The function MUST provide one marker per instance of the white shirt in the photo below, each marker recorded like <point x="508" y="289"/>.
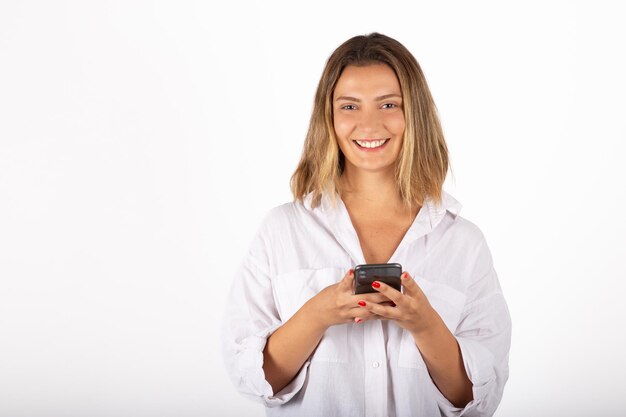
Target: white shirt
<point x="373" y="368"/>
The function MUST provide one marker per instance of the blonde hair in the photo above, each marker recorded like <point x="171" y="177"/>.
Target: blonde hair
<point x="422" y="165"/>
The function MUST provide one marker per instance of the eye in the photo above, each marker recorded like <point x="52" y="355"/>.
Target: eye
<point x="347" y="105"/>
<point x="390" y="104"/>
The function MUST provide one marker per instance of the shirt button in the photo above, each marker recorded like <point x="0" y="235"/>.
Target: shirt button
<point x="375" y="365"/>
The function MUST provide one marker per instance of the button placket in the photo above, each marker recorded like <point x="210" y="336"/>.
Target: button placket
<point x="375" y="369"/>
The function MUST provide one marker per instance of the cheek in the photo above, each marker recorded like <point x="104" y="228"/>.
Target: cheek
<point x="396" y="124"/>
<point x="343" y="127"/>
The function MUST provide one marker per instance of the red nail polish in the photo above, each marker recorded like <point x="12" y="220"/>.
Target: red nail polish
<point x="351" y="271"/>
<point x="405" y="275"/>
<point x="376" y="284"/>
<point x="362" y="303"/>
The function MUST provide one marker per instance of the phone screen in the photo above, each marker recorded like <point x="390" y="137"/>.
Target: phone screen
<point x="365" y="274"/>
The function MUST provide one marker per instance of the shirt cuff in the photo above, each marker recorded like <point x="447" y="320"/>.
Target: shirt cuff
<point x="250" y="364"/>
<point x="478" y="362"/>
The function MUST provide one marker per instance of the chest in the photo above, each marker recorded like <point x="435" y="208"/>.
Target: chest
<point x="380" y="237"/>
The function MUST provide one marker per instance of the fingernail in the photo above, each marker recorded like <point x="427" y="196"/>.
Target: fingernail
<point x="351" y="271"/>
<point x="405" y="275"/>
<point x="358" y="320"/>
<point x="376" y="284"/>
<point x="362" y="303"/>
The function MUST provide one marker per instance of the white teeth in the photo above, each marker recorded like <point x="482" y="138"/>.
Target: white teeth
<point x="371" y="144"/>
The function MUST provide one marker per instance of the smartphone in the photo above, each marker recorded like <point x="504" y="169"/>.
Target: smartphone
<point x="365" y="274"/>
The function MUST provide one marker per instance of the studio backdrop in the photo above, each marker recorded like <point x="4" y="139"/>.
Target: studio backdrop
<point x="142" y="143"/>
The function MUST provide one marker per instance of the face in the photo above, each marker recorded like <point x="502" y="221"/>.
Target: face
<point x="368" y="117"/>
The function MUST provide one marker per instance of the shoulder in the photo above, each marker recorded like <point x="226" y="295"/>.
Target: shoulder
<point x="296" y="211"/>
<point x="468" y="231"/>
<point x="463" y="240"/>
<point x="462" y="229"/>
<point x="284" y="220"/>
<point x="283" y="215"/>
<point x="274" y="224"/>
<point x="473" y="249"/>
<point x="281" y="228"/>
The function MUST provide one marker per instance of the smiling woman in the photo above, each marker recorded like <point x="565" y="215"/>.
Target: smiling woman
<point x="369" y="126"/>
<point x="363" y="74"/>
<point x="369" y="190"/>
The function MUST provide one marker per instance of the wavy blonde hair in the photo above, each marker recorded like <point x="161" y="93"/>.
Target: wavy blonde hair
<point x="422" y="165"/>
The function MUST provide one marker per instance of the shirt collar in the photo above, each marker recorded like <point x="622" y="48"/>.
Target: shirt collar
<point x="429" y="216"/>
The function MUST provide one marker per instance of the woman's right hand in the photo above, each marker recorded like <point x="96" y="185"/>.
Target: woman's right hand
<point x="292" y="343"/>
<point x="337" y="303"/>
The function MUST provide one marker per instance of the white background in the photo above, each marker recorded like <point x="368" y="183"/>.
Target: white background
<point x="141" y="143"/>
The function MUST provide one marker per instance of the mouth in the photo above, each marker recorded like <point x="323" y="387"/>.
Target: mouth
<point x="371" y="144"/>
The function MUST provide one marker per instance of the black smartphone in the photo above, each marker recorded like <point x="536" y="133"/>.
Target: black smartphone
<point x="365" y="274"/>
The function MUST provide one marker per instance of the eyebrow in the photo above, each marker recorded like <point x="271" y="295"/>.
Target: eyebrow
<point x="383" y="97"/>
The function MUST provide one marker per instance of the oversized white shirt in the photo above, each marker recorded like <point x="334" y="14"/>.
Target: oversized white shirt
<point x="373" y="368"/>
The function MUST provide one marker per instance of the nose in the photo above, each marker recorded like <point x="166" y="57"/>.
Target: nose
<point x="369" y="120"/>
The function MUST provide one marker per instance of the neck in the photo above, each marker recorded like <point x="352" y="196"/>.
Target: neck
<point x="375" y="188"/>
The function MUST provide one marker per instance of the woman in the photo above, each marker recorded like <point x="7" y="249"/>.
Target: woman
<point x="368" y="189"/>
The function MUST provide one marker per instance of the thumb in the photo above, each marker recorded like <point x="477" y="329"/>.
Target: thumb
<point x="410" y="286"/>
<point x="347" y="282"/>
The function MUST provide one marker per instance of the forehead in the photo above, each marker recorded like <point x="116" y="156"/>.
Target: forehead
<point x="374" y="79"/>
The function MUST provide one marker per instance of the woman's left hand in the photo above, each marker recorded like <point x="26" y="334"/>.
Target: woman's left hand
<point x="412" y="311"/>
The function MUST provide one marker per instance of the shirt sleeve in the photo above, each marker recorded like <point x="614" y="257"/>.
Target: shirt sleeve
<point x="484" y="337"/>
<point x="249" y="320"/>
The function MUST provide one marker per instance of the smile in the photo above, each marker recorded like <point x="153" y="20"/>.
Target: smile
<point x="371" y="143"/>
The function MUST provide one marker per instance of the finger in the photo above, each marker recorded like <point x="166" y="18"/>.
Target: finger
<point x="386" y="312"/>
<point x="388" y="303"/>
<point x="390" y="292"/>
<point x="410" y="286"/>
<point x="347" y="282"/>
<point x="374" y="297"/>
<point x="362" y="314"/>
<point x="358" y="320"/>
